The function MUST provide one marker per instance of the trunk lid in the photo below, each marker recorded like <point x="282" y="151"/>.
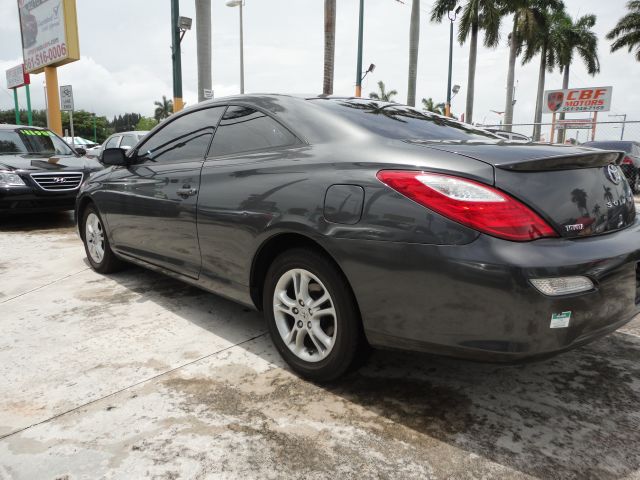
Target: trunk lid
<point x="579" y="191"/>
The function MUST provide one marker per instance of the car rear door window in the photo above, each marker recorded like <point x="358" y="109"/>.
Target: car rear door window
<point x="128" y="141"/>
<point x="244" y="129"/>
<point x="183" y="139"/>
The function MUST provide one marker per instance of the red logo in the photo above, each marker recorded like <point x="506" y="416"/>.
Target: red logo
<point x="555" y="100"/>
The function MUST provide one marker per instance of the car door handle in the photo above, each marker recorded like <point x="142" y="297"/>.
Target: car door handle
<point x="187" y="192"/>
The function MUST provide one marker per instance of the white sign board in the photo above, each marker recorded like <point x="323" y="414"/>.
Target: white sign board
<point x="66" y="98"/>
<point x="593" y="99"/>
<point x="207" y="93"/>
<point x="48" y="37"/>
<point x="16" y="77"/>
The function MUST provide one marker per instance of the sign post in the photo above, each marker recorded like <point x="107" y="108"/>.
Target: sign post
<point x="66" y="105"/>
<point x="573" y="100"/>
<point x="49" y="40"/>
<point x="16" y="78"/>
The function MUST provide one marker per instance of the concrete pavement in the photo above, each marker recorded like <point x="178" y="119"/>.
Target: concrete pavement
<point x="136" y="375"/>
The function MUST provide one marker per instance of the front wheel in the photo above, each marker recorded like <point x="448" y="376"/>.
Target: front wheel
<point x="312" y="315"/>
<point x="96" y="243"/>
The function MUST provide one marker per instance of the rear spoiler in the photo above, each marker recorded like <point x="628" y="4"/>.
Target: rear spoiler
<point x="565" y="162"/>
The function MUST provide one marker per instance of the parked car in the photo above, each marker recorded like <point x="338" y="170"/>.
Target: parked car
<point x="631" y="161"/>
<point x="39" y="171"/>
<point x="351" y="222"/>
<point x="511" y="136"/>
<point x="123" y="140"/>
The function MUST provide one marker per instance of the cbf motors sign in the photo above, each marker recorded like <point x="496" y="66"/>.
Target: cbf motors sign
<point x="49" y="33"/>
<point x="595" y="99"/>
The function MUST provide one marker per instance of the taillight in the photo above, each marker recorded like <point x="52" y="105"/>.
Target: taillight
<point x="627" y="160"/>
<point x="470" y="203"/>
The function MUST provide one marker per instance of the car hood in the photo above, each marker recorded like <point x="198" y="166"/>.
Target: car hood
<point x="34" y="163"/>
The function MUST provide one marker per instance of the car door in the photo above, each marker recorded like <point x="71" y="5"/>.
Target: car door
<point x="238" y="192"/>
<point x="152" y="202"/>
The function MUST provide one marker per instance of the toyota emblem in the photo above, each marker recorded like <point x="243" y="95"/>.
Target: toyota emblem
<point x="613" y="173"/>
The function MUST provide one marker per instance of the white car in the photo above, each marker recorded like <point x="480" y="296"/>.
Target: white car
<point x="124" y="140"/>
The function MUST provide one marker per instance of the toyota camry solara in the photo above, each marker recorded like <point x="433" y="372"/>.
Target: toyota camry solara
<point x="353" y="223"/>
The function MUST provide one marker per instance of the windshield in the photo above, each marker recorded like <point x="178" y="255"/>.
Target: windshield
<point x="404" y="123"/>
<point x="26" y="141"/>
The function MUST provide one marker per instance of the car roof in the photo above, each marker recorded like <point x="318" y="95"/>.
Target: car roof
<point x="9" y="126"/>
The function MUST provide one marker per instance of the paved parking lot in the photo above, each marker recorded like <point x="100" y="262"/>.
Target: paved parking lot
<point x="136" y="375"/>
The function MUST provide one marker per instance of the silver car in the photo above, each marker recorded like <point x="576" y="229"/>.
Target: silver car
<point x="125" y="140"/>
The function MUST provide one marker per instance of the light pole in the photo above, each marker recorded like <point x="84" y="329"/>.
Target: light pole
<point x="452" y="17"/>
<point x="624" y="121"/>
<point x="179" y="25"/>
<point x="239" y="3"/>
<point x="359" y="65"/>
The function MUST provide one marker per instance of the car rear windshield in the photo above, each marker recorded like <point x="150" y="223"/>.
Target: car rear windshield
<point x="402" y="122"/>
<point x="624" y="146"/>
<point x="24" y="140"/>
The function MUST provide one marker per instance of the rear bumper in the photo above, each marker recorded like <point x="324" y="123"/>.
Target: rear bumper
<point x="475" y="301"/>
<point x="27" y="200"/>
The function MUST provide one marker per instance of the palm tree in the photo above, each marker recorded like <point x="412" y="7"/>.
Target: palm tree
<point x="429" y="105"/>
<point x="549" y="42"/>
<point x="382" y="94"/>
<point x="580" y="38"/>
<point x="329" y="45"/>
<point x="528" y="16"/>
<point x="414" y="40"/>
<point x="164" y="108"/>
<point x="203" y="46"/>
<point x="626" y="33"/>
<point x="476" y="15"/>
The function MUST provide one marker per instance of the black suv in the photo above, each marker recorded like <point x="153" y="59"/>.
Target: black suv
<point x="631" y="162"/>
<point x="39" y="171"/>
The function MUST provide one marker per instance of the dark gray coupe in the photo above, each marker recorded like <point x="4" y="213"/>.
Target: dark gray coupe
<point x="351" y="223"/>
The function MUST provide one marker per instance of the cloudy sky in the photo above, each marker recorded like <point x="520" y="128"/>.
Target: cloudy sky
<point x="126" y="63"/>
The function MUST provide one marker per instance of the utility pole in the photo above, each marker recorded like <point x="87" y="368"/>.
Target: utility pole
<point x="203" y="46"/>
<point x="176" y="57"/>
<point x="359" y="65"/>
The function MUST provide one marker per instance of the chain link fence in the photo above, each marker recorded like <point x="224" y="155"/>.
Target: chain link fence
<point x="580" y="131"/>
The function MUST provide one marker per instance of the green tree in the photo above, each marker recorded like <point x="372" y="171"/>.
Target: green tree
<point x="626" y="33"/>
<point x="146" y="123"/>
<point x="578" y="38"/>
<point x="382" y="93"/>
<point x="329" y="45"/>
<point x="164" y="108"/>
<point x="414" y="41"/>
<point x="528" y="18"/>
<point x="429" y="105"/>
<point x="83" y="125"/>
<point x="548" y="42"/>
<point x="477" y="15"/>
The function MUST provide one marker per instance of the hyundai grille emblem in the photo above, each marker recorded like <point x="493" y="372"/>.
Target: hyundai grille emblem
<point x="59" y="179"/>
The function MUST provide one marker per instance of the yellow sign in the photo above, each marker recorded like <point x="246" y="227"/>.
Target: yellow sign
<point x="49" y="33"/>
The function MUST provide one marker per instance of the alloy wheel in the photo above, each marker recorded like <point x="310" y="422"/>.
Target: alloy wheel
<point x="305" y="315"/>
<point x="94" y="236"/>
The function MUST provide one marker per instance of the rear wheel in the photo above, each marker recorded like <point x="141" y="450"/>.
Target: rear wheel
<point x="312" y="315"/>
<point x="96" y="243"/>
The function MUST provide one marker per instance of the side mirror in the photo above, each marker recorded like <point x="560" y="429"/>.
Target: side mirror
<point x="113" y="156"/>
<point x="81" y="151"/>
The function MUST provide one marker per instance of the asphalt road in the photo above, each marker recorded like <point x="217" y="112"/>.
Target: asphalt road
<point x="135" y="375"/>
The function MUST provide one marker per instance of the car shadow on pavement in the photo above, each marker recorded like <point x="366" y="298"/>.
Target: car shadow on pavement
<point x="573" y="416"/>
<point x="576" y="415"/>
<point x="29" y="222"/>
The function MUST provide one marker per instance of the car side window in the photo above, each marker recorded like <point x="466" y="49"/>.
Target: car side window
<point x="128" y="141"/>
<point x="112" y="142"/>
<point x="185" y="138"/>
<point x="244" y="129"/>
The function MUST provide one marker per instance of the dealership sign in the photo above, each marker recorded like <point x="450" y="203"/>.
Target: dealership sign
<point x="17" y="77"/>
<point x="49" y="33"/>
<point x="595" y="99"/>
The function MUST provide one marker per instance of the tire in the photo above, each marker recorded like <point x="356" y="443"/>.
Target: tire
<point x="96" y="243"/>
<point x="635" y="187"/>
<point x="308" y="352"/>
